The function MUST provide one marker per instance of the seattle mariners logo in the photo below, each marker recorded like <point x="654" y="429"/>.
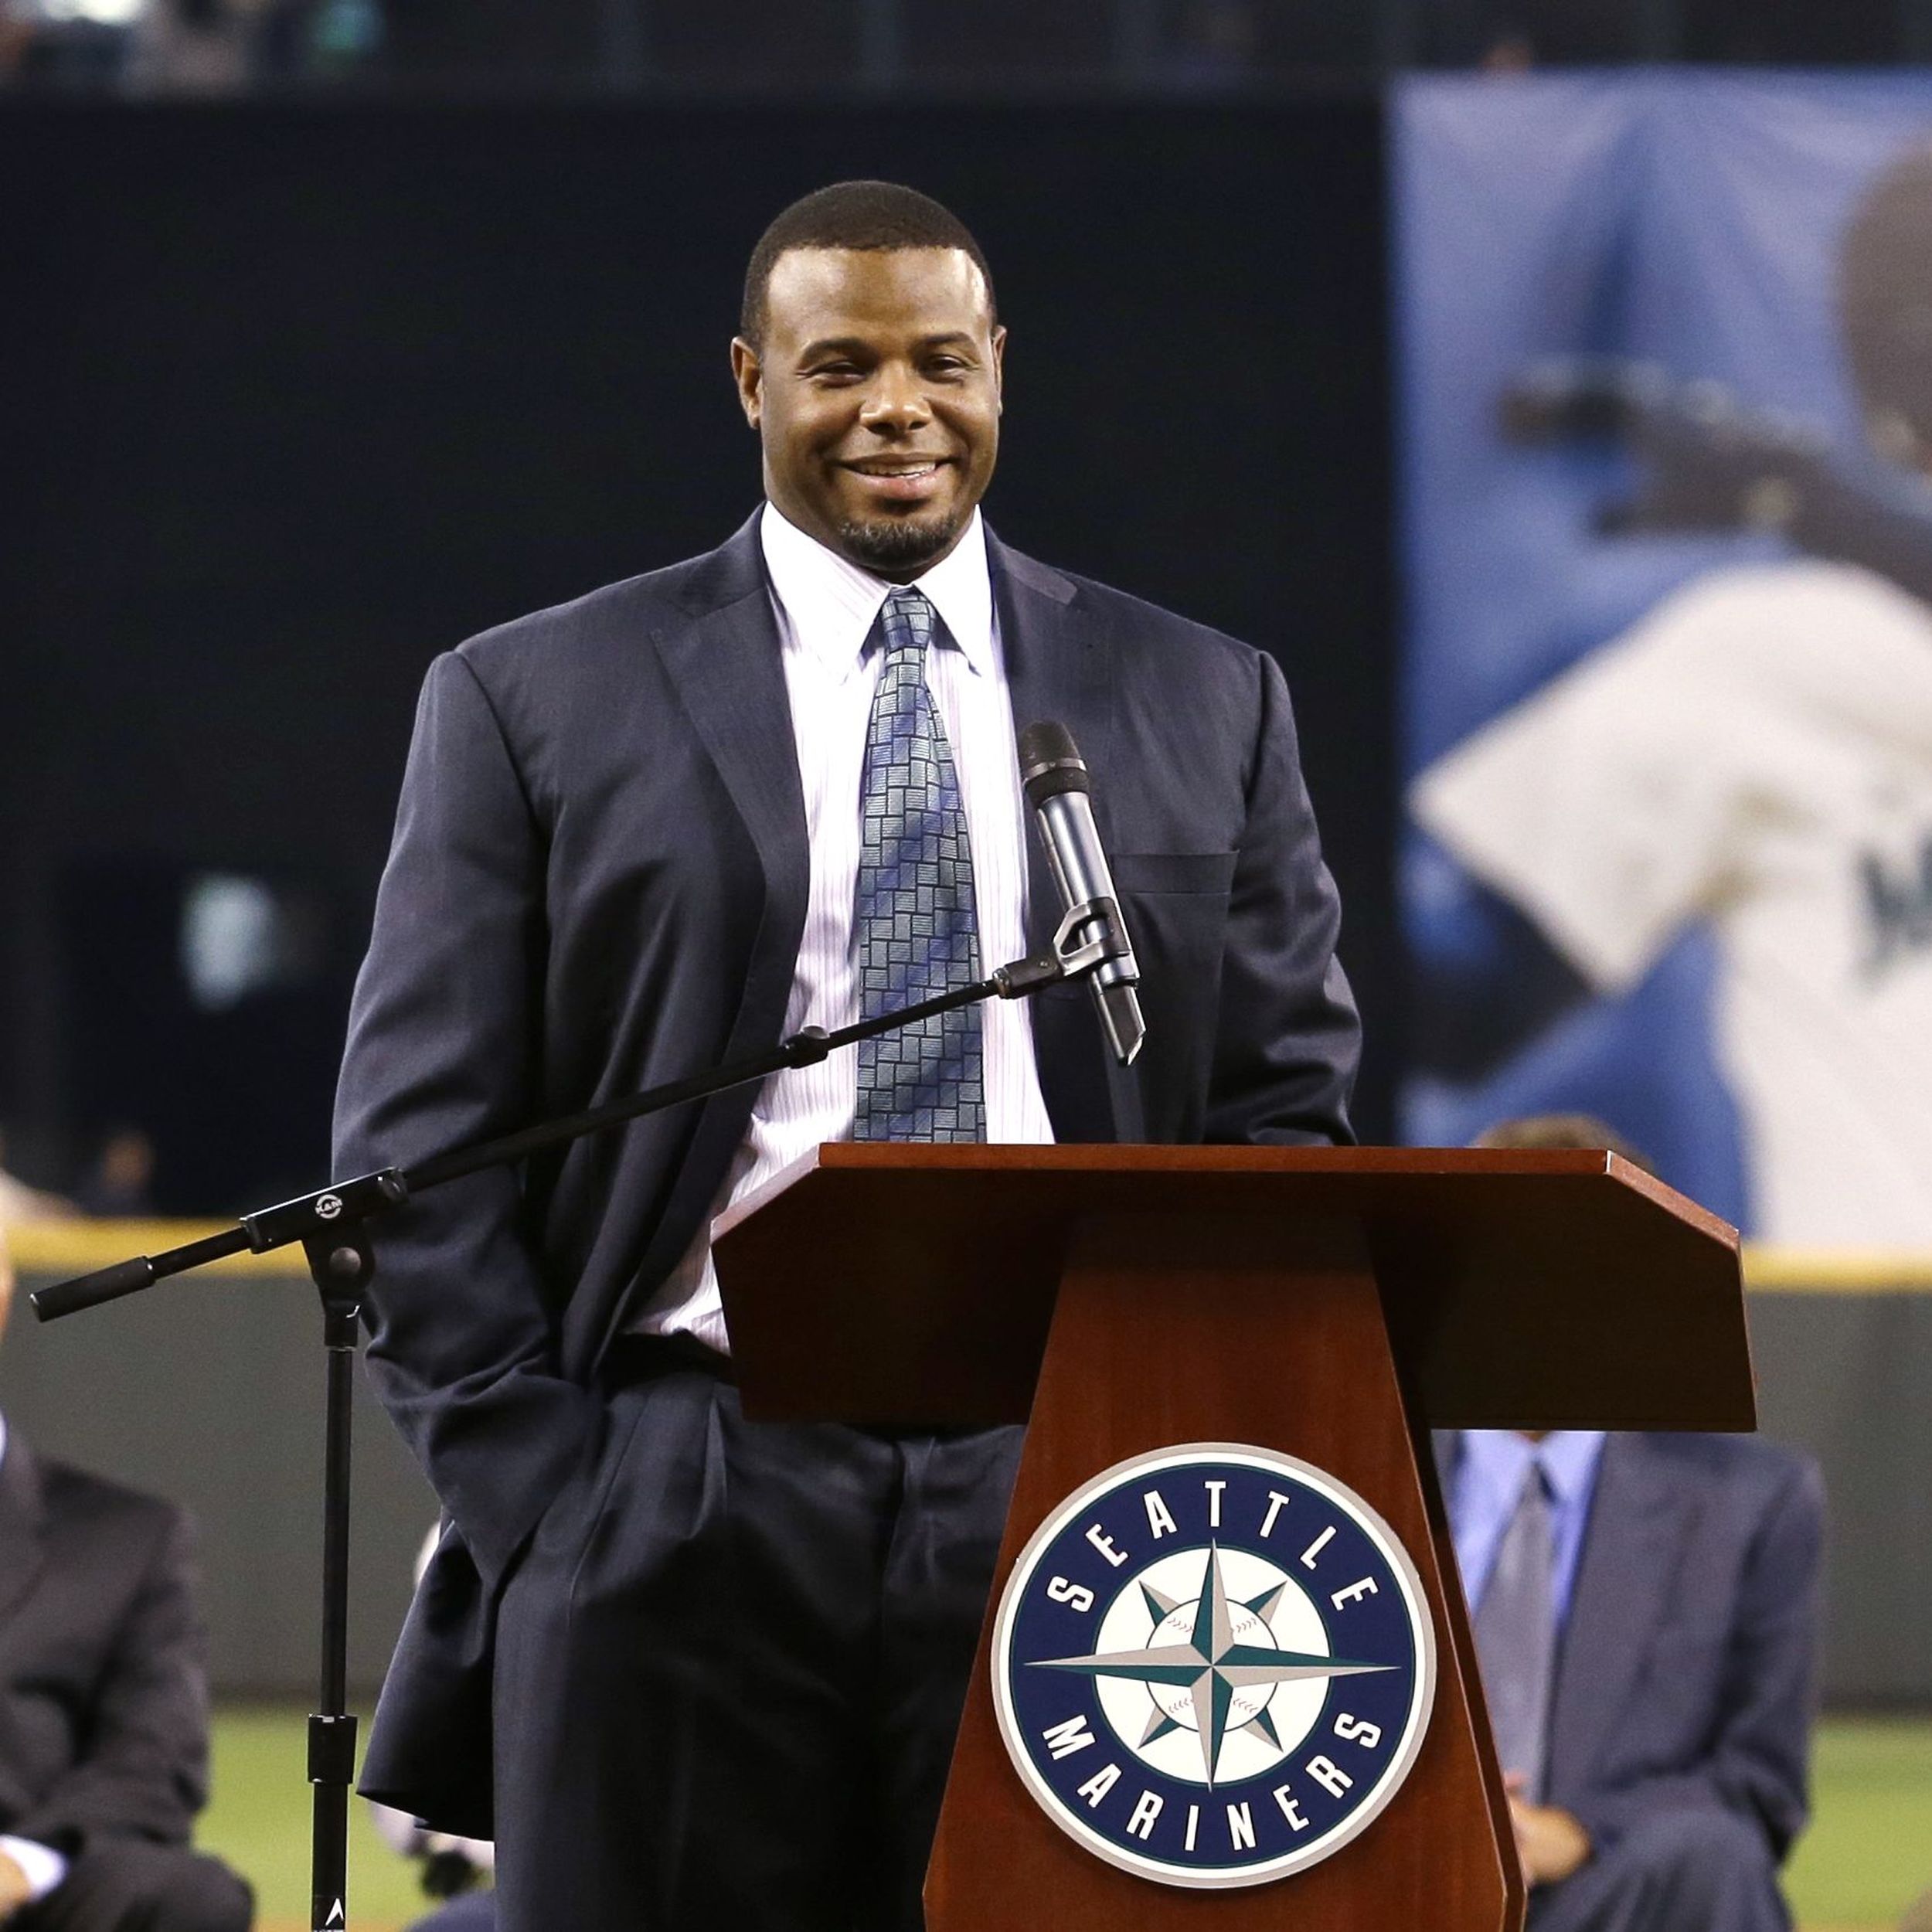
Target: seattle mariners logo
<point x="1214" y="1665"/>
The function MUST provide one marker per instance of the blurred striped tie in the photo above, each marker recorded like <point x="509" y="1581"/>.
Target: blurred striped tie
<point x="1515" y="1630"/>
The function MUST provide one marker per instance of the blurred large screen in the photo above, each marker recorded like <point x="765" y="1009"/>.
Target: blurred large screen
<point x="1667" y="367"/>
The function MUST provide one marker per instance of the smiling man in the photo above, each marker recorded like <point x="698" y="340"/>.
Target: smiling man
<point x="772" y="787"/>
<point x="872" y="376"/>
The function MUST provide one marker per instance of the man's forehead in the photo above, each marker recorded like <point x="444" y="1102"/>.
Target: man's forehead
<point x="927" y="290"/>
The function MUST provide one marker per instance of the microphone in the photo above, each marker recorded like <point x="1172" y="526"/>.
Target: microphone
<point x="1057" y="787"/>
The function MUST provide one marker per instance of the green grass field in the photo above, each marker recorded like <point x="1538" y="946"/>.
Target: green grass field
<point x="1868" y="1854"/>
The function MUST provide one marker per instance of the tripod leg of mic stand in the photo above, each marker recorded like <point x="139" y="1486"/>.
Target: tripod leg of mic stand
<point x="342" y="1263"/>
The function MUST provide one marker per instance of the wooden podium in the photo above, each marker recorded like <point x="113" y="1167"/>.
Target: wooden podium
<point x="1331" y="1305"/>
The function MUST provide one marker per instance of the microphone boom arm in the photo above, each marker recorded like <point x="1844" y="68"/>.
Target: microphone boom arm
<point x="329" y="1215"/>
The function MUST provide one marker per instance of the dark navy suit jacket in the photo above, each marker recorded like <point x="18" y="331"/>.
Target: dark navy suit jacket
<point x="1685" y="1679"/>
<point x="598" y="882"/>
<point x="103" y="1693"/>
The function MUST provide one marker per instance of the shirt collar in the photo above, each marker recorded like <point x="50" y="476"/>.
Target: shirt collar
<point x="1569" y="1458"/>
<point x="1499" y="1459"/>
<point x="832" y="604"/>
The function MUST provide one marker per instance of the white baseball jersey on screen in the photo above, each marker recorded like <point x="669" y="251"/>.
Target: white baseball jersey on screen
<point x="1757" y="753"/>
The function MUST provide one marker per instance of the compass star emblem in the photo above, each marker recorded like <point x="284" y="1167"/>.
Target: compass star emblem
<point x="1212" y="1666"/>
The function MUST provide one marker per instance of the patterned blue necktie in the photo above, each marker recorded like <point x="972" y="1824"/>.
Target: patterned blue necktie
<point x="913" y="922"/>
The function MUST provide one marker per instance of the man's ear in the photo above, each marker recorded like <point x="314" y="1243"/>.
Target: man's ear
<point x="749" y="376"/>
<point x="999" y="364"/>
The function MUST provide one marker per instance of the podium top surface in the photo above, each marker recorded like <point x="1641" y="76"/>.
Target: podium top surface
<point x="901" y="1282"/>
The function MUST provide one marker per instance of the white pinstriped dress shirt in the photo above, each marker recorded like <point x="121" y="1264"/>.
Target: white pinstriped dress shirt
<point x="825" y="609"/>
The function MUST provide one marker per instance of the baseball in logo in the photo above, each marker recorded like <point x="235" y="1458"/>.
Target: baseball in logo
<point x="1214" y="1665"/>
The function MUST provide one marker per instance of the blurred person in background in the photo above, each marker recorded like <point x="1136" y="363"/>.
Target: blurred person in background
<point x="194" y="46"/>
<point x="20" y="1203"/>
<point x="187" y="47"/>
<point x="80" y="45"/>
<point x="1645" y="1609"/>
<point x="1214" y="46"/>
<point x="1508" y="36"/>
<point x="103" y="1707"/>
<point x="119" y="1184"/>
<point x="449" y="1873"/>
<point x="453" y="1868"/>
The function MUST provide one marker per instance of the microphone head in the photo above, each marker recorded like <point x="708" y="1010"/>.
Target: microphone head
<point x="1050" y="763"/>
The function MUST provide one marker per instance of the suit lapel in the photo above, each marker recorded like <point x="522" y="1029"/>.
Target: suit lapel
<point x="21" y="1550"/>
<point x="1055" y="674"/>
<point x="1638" y="1522"/>
<point x="1058" y="670"/>
<point x="726" y="666"/>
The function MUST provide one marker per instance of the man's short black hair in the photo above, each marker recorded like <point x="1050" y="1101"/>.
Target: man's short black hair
<point x="853" y="214"/>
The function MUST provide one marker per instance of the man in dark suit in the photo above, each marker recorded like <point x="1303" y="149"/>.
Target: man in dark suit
<point x="104" y="1708"/>
<point x="661" y="827"/>
<point x="1644" y="1609"/>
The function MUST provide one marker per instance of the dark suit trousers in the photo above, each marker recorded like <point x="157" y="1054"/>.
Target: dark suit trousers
<point x="133" y="1886"/>
<point x="1677" y="1871"/>
<point x="730" y="1667"/>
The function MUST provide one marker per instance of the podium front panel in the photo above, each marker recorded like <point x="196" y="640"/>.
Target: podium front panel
<point x="897" y="1285"/>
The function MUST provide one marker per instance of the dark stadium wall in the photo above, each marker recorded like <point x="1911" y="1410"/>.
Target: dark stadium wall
<point x="298" y="397"/>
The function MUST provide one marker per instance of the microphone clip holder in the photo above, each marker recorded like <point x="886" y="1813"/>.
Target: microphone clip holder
<point x="1071" y="957"/>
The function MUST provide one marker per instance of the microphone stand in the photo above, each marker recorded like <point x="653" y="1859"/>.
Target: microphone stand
<point x="332" y="1226"/>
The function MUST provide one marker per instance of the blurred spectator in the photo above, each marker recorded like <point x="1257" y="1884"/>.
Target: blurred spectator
<point x="1510" y="53"/>
<point x="104" y="1708"/>
<point x="1215" y="45"/>
<point x="1508" y="35"/>
<point x="120" y="1183"/>
<point x="19" y="1202"/>
<point x="474" y="1912"/>
<point x="452" y="1868"/>
<point x="198" y="47"/>
<point x="66" y="44"/>
<point x="1643" y="1608"/>
<point x="193" y="46"/>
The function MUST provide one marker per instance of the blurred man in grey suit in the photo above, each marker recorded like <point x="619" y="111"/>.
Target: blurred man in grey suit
<point x="1645" y="1607"/>
<point x="104" y="1708"/>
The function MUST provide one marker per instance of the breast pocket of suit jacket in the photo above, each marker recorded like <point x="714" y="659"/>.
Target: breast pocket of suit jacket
<point x="1176" y="905"/>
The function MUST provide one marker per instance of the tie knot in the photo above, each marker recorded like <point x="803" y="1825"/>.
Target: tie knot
<point x="907" y="619"/>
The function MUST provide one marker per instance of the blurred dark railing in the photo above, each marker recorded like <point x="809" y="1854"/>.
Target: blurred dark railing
<point x="792" y="47"/>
